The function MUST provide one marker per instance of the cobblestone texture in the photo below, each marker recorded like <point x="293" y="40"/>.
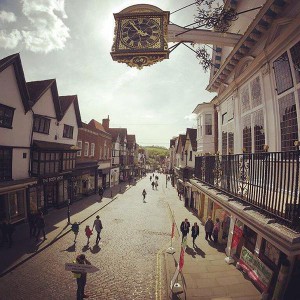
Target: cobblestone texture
<point x="128" y="256"/>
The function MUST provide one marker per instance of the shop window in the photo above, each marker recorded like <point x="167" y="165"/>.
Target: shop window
<point x="5" y="163"/>
<point x="269" y="253"/>
<point x="288" y="122"/>
<point x="16" y="206"/>
<point x="250" y="238"/>
<point x="68" y="131"/>
<point x="41" y="124"/>
<point x="6" y="116"/>
<point x="283" y="75"/>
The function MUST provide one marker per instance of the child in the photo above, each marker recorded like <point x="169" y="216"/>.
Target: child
<point x="88" y="233"/>
<point x="75" y="229"/>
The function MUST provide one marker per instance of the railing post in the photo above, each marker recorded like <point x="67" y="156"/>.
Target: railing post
<point x="296" y="204"/>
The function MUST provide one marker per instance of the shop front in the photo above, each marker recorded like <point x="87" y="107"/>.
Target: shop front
<point x="104" y="178"/>
<point x="13" y="195"/>
<point x="114" y="177"/>
<point x="85" y="182"/>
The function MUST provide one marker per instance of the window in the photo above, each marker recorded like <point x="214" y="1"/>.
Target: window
<point x="5" y="164"/>
<point x="288" y="122"/>
<point x="250" y="238"/>
<point x="48" y="163"/>
<point x="208" y="124"/>
<point x="68" y="161"/>
<point x="191" y="155"/>
<point x="92" y="149"/>
<point x="6" y="116"/>
<point x="86" y="149"/>
<point x="224" y="142"/>
<point x="295" y="54"/>
<point x="79" y="145"/>
<point x="283" y="75"/>
<point x="259" y="134"/>
<point x="68" y="131"/>
<point x="247" y="138"/>
<point x="41" y="124"/>
<point x="108" y="153"/>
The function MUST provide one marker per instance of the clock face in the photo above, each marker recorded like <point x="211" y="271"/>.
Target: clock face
<point x="140" y="33"/>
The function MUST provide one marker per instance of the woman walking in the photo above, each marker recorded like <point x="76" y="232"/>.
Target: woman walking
<point x="144" y="193"/>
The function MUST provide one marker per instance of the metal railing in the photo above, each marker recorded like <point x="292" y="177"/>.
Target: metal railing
<point x="268" y="181"/>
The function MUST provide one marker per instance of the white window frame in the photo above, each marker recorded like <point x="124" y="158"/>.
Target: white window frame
<point x="92" y="149"/>
<point x="86" y="149"/>
<point x="79" y="145"/>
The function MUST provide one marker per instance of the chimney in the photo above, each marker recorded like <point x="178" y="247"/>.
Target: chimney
<point x="105" y="123"/>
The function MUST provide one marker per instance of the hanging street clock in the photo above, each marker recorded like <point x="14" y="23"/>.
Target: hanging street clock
<point x="140" y="36"/>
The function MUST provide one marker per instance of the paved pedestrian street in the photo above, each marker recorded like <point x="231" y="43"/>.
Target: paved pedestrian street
<point x="133" y="233"/>
<point x="131" y="255"/>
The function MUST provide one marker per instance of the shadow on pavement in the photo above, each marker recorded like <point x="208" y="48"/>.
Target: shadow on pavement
<point x="95" y="249"/>
<point x="72" y="248"/>
<point x="219" y="247"/>
<point x="194" y="252"/>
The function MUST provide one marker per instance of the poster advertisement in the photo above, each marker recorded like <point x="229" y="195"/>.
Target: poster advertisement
<point x="237" y="234"/>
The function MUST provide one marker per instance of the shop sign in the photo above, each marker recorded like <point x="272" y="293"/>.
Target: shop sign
<point x="53" y="179"/>
<point x="256" y="269"/>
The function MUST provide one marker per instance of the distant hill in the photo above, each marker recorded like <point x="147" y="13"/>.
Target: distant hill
<point x="153" y="151"/>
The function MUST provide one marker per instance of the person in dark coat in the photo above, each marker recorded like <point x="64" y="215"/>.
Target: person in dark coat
<point x="10" y="231"/>
<point x="153" y="184"/>
<point x="184" y="228"/>
<point x="40" y="225"/>
<point x="216" y="230"/>
<point x="4" y="232"/>
<point x="195" y="232"/>
<point x="32" y="224"/>
<point x="101" y="192"/>
<point x="81" y="277"/>
<point x="208" y="227"/>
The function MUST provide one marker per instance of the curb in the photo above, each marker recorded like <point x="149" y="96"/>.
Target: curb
<point x="55" y="239"/>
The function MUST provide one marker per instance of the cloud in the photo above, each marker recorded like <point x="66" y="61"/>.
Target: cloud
<point x="191" y="117"/>
<point x="7" y="17"/>
<point x="48" y="31"/>
<point x="10" y="40"/>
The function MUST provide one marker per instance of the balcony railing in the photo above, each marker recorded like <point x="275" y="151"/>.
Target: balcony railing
<point x="267" y="181"/>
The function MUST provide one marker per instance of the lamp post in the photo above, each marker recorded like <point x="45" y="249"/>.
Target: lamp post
<point x="69" y="201"/>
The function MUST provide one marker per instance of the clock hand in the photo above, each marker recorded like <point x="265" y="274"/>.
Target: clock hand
<point x="138" y="30"/>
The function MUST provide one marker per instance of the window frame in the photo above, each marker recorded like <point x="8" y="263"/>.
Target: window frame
<point x="46" y="124"/>
<point x="68" y="131"/>
<point x="5" y="109"/>
<point x="92" y="149"/>
<point x="86" y="149"/>
<point x="79" y="152"/>
<point x="6" y="165"/>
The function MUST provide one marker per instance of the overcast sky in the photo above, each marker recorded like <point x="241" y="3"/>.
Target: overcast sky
<point x="71" y="41"/>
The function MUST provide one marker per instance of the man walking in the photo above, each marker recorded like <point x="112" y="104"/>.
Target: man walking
<point x="81" y="277"/>
<point x="208" y="227"/>
<point x="144" y="193"/>
<point x="40" y="225"/>
<point x="195" y="232"/>
<point x="184" y="228"/>
<point x="101" y="191"/>
<point x="98" y="227"/>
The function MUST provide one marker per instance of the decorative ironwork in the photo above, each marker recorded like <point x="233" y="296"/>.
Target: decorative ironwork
<point x="267" y="181"/>
<point x="217" y="18"/>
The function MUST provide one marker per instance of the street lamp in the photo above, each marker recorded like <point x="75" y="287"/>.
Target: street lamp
<point x="69" y="202"/>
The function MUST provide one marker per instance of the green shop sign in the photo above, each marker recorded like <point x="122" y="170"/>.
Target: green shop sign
<point x="263" y="272"/>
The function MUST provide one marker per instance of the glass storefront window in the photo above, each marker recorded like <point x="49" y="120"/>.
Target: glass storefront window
<point x="16" y="204"/>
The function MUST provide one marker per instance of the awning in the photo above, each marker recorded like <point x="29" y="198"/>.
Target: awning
<point x="13" y="185"/>
<point x="42" y="145"/>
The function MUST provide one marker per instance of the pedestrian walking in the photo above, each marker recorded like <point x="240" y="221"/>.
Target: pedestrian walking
<point x="153" y="184"/>
<point x="184" y="228"/>
<point x="32" y="218"/>
<point x="81" y="277"/>
<point x="216" y="230"/>
<point x="195" y="232"/>
<point x="10" y="231"/>
<point x="40" y="225"/>
<point x="75" y="229"/>
<point x="4" y="238"/>
<point x="101" y="192"/>
<point x="156" y="184"/>
<point x="88" y="233"/>
<point x="150" y="178"/>
<point x="98" y="226"/>
<point x="208" y="227"/>
<point x="144" y="193"/>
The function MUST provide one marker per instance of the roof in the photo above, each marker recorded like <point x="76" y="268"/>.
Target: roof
<point x="192" y="133"/>
<point x="66" y="102"/>
<point x="15" y="60"/>
<point x="53" y="146"/>
<point x="172" y="142"/>
<point x="97" y="125"/>
<point x="181" y="141"/>
<point x="37" y="90"/>
<point x="118" y="132"/>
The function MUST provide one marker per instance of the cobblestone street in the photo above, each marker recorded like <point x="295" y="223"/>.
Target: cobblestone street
<point x="128" y="257"/>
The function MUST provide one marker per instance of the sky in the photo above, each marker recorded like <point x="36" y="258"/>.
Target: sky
<point x="70" y="40"/>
